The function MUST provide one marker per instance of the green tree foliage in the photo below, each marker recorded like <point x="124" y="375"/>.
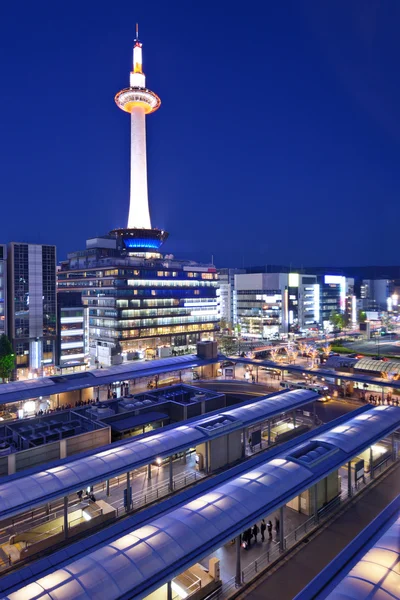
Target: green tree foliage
<point x="362" y="316"/>
<point x="227" y="344"/>
<point x="7" y="358"/>
<point x="339" y="320"/>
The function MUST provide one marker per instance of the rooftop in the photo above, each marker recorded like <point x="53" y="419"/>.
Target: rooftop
<point x="144" y="558"/>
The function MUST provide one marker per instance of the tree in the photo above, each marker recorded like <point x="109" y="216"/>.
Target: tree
<point x="227" y="344"/>
<point x="362" y="316"/>
<point x="326" y="350"/>
<point x="7" y="358"/>
<point x="339" y="320"/>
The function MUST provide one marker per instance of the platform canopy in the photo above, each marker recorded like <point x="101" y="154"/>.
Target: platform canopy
<point x="25" y="491"/>
<point x="143" y="559"/>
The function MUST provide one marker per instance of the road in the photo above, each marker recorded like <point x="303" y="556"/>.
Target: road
<point x="390" y="347"/>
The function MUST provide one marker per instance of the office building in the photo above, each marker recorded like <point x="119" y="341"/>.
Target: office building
<point x="3" y="289"/>
<point x="226" y="292"/>
<point x="138" y="300"/>
<point x="73" y="340"/>
<point x="266" y="304"/>
<point x="332" y="297"/>
<point x="32" y="314"/>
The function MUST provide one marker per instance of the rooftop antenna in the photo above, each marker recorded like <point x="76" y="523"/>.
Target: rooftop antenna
<point x="137" y="32"/>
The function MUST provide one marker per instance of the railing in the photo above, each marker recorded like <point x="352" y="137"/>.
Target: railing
<point x="310" y="525"/>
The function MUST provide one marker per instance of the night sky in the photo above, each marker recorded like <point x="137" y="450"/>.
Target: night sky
<point x="278" y="138"/>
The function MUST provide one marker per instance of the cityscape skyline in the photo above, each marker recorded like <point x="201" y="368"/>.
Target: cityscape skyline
<point x="310" y="146"/>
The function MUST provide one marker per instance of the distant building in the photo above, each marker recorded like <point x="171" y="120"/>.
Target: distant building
<point x="3" y="289"/>
<point x="269" y="303"/>
<point x="73" y="341"/>
<point x="332" y="297"/>
<point x="32" y="313"/>
<point x="226" y="293"/>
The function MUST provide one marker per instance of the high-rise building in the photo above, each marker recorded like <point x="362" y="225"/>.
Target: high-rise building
<point x="137" y="299"/>
<point x="3" y="289"/>
<point x="32" y="314"/>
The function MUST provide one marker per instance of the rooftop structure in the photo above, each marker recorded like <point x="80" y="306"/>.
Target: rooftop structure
<point x="21" y="492"/>
<point x="135" y="560"/>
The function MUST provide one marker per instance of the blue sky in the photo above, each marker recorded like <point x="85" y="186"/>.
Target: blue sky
<point x="278" y="138"/>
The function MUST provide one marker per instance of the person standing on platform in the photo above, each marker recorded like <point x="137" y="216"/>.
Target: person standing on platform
<point x="277" y="526"/>
<point x="255" y="531"/>
<point x="263" y="527"/>
<point x="269" y="527"/>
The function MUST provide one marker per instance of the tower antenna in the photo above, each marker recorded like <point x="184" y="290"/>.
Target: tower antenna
<point x="137" y="31"/>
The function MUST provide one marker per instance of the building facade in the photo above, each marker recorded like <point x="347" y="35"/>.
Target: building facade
<point x="32" y="307"/>
<point x="266" y="304"/>
<point x="226" y="292"/>
<point x="3" y="289"/>
<point x="73" y="338"/>
<point x="137" y="304"/>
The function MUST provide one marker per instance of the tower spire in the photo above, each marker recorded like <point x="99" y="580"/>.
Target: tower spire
<point x="137" y="32"/>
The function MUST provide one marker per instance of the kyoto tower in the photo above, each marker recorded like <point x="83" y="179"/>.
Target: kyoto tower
<point x="139" y="101"/>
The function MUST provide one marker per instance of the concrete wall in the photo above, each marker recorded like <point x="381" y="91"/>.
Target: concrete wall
<point x="225" y="450"/>
<point x="327" y="489"/>
<point x="26" y="459"/>
<point x="88" y="441"/>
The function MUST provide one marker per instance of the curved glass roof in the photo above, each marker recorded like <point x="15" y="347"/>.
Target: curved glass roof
<point x="377" y="575"/>
<point x="17" y="493"/>
<point x="124" y="565"/>
<point x="144" y="558"/>
<point x="351" y="435"/>
<point x="381" y="366"/>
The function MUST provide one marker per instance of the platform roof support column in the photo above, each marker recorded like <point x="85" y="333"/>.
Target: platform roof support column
<point x="207" y="457"/>
<point x="349" y="490"/>
<point x="315" y="502"/>
<point x="281" y="530"/>
<point x="169" y="591"/>
<point x="128" y="492"/>
<point x="294" y="419"/>
<point x="171" y="474"/>
<point x="393" y="448"/>
<point x="244" y="442"/>
<point x="371" y="463"/>
<point x="65" y="517"/>
<point x="149" y="471"/>
<point x="238" y="575"/>
<point x="107" y="487"/>
<point x="315" y="412"/>
<point x="257" y="373"/>
<point x="269" y="431"/>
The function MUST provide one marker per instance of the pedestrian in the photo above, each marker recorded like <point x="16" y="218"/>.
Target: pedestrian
<point x="262" y="529"/>
<point x="249" y="536"/>
<point x="79" y="494"/>
<point x="277" y="526"/>
<point x="9" y="560"/>
<point x="255" y="531"/>
<point x="269" y="527"/>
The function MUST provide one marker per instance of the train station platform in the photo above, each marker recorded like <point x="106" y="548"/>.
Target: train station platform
<point x="304" y="563"/>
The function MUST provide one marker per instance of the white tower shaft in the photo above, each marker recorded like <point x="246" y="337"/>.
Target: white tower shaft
<point x="139" y="214"/>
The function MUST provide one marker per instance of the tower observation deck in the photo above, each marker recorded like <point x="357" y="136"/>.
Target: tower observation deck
<point x="139" y="101"/>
